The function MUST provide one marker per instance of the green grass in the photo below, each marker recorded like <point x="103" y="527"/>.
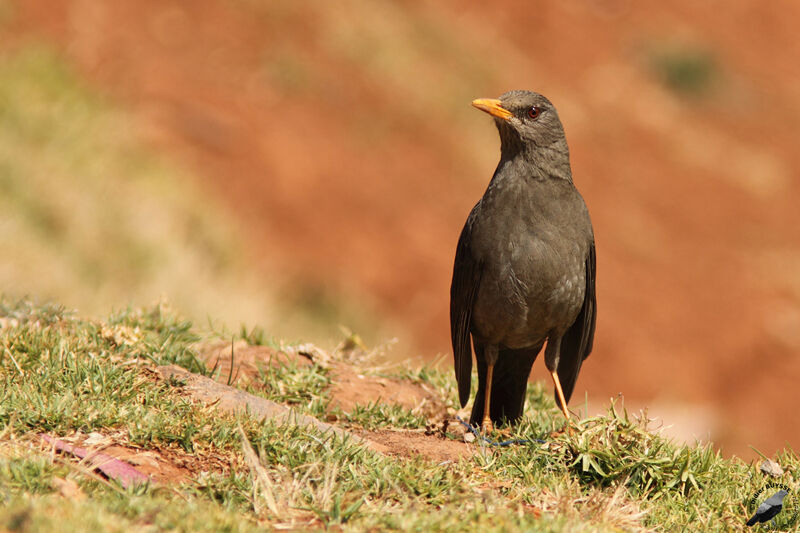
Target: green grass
<point x="302" y="387"/>
<point x="62" y="374"/>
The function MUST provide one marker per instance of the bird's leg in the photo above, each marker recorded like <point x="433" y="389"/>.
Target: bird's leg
<point x="486" y="424"/>
<point x="551" y="357"/>
<point x="490" y="353"/>
<point x="560" y="393"/>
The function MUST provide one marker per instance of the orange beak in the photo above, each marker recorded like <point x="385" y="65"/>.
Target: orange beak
<point x="493" y="107"/>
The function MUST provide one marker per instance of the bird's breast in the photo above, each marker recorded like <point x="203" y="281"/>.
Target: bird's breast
<point x="533" y="275"/>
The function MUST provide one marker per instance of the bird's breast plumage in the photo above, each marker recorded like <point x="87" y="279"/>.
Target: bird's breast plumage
<point x="531" y="242"/>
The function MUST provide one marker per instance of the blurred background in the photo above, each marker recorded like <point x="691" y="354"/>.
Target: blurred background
<point x="300" y="165"/>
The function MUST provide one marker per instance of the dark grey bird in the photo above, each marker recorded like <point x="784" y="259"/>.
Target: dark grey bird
<point x="524" y="269"/>
<point x="769" y="509"/>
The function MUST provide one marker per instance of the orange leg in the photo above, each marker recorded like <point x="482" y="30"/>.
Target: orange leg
<point x="486" y="424"/>
<point x="560" y="394"/>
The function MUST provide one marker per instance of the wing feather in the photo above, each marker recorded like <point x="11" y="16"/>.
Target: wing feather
<point x="464" y="287"/>
<point x="577" y="342"/>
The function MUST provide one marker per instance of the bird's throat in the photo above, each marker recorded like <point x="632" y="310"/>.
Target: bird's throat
<point x="537" y="164"/>
<point x="540" y="162"/>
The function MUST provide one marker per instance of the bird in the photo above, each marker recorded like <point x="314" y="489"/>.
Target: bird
<point x="769" y="509"/>
<point x="524" y="269"/>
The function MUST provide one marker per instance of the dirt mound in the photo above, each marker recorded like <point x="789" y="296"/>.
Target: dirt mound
<point x="351" y="387"/>
<point x="242" y="364"/>
<point x="411" y="443"/>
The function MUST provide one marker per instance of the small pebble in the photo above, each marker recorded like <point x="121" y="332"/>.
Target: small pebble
<point x="770" y="467"/>
<point x="469" y="437"/>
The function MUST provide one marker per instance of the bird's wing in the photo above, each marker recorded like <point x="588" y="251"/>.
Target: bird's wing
<point x="576" y="344"/>
<point x="764" y="507"/>
<point x="466" y="279"/>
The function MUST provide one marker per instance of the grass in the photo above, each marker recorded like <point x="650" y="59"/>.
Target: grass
<point x="302" y="387"/>
<point x="62" y="374"/>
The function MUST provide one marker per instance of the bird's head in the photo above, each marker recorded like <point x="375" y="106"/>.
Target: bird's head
<point x="527" y="122"/>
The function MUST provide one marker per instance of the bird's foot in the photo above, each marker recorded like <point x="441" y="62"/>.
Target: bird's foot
<point x="567" y="417"/>
<point x="487" y="425"/>
<point x="565" y="429"/>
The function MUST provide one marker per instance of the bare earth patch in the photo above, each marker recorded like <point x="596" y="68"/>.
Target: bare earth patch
<point x="410" y="443"/>
<point x="241" y="364"/>
<point x="351" y="386"/>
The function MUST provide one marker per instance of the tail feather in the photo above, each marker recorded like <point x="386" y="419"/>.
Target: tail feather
<point x="509" y="383"/>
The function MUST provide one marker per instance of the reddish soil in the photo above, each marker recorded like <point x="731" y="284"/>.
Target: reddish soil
<point x="409" y="444"/>
<point x="162" y="466"/>
<point x="343" y="140"/>
<point x="248" y="361"/>
<point x="351" y="387"/>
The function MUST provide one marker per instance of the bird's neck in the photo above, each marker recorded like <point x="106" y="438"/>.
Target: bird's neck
<point x="538" y="162"/>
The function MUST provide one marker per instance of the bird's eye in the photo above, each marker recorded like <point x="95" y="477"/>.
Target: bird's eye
<point x="534" y="112"/>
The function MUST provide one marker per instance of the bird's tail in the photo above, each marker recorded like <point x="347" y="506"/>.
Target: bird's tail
<point x="509" y="383"/>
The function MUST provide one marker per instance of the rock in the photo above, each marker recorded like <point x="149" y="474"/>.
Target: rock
<point x="771" y="468"/>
